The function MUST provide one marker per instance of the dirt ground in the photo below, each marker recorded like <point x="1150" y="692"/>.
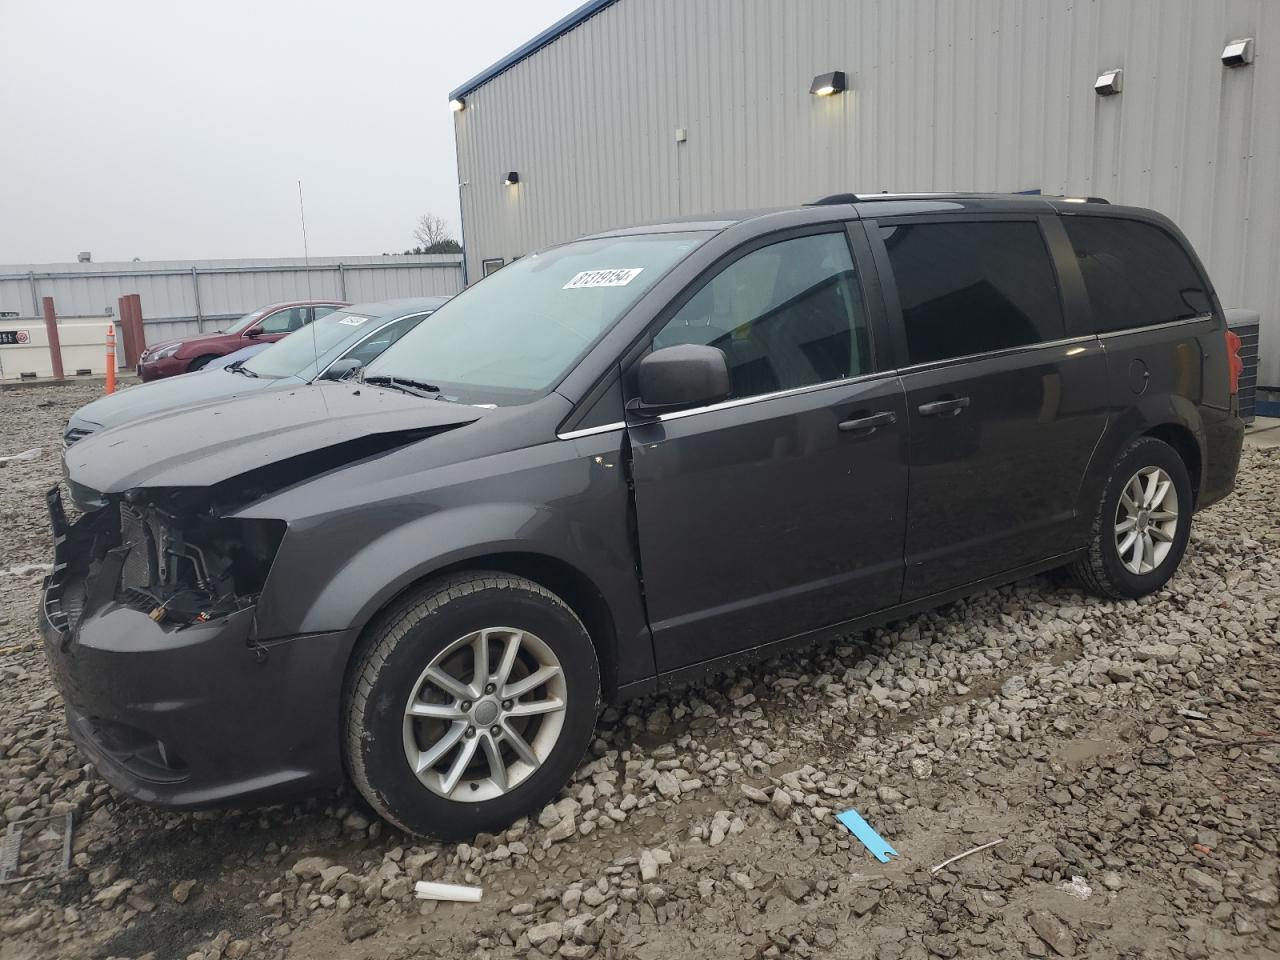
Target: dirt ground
<point x="1127" y="755"/>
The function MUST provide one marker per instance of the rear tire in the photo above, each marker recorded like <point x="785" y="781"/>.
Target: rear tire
<point x="199" y="363"/>
<point x="470" y="705"/>
<point x="1140" y="531"/>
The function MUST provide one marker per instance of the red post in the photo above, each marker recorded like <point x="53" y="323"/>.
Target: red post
<point x="131" y="331"/>
<point x="139" y="333"/>
<point x="55" y="344"/>
<point x="131" y="349"/>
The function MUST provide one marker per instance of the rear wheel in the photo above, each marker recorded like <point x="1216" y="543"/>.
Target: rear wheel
<point x="470" y="705"/>
<point x="199" y="363"/>
<point x="1140" y="531"/>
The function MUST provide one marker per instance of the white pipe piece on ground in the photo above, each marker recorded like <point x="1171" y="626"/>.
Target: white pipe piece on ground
<point x="426" y="890"/>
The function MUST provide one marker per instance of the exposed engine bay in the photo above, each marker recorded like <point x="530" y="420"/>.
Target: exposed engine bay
<point x="172" y="555"/>
<point x="192" y="568"/>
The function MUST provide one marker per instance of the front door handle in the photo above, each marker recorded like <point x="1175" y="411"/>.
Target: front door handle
<point x="943" y="408"/>
<point x="868" y="424"/>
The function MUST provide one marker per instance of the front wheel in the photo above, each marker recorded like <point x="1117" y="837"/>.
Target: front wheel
<point x="1140" y="531"/>
<point x="470" y="705"/>
<point x="199" y="363"/>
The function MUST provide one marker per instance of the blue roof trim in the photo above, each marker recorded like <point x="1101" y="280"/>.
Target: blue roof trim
<point x="552" y="33"/>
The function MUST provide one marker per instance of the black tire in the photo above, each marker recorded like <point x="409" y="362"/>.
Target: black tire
<point x="393" y="655"/>
<point x="1100" y="569"/>
<point x="199" y="363"/>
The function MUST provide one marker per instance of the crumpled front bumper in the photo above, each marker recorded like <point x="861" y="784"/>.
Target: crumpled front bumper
<point x="189" y="716"/>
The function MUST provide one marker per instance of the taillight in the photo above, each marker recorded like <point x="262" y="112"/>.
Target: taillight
<point x="1235" y="366"/>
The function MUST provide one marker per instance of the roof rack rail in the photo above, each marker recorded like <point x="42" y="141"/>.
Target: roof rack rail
<point x="841" y="198"/>
<point x="833" y="199"/>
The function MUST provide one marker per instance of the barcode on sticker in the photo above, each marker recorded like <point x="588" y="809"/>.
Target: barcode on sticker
<point x="603" y="278"/>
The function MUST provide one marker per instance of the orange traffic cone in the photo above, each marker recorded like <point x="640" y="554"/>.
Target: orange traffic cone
<point x="111" y="358"/>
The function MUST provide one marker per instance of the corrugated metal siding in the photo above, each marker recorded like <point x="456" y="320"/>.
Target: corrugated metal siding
<point x="226" y="288"/>
<point x="957" y="95"/>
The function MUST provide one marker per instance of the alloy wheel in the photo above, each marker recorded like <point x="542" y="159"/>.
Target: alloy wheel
<point x="1146" y="520"/>
<point x="485" y="714"/>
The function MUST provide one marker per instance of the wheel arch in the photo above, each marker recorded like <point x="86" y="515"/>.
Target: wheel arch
<point x="1184" y="443"/>
<point x="1170" y="418"/>
<point x="207" y="357"/>
<point x="562" y="578"/>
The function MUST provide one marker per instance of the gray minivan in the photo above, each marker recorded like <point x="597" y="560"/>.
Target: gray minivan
<point x="623" y="463"/>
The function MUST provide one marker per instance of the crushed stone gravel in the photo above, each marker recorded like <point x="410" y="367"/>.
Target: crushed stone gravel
<point x="1130" y="750"/>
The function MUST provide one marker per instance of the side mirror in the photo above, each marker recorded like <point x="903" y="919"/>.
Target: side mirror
<point x="253" y="333"/>
<point x="341" y="369"/>
<point x="679" y="377"/>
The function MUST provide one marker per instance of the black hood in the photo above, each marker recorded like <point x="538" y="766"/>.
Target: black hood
<point x="204" y="445"/>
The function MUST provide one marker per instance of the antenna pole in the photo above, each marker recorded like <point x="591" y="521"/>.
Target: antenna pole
<point x="306" y="259"/>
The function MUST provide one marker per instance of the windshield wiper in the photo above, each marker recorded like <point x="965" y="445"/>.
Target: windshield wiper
<point x="418" y="388"/>
<point x="239" y="367"/>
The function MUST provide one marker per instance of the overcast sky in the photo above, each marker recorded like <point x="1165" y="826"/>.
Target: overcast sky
<point x="176" y="129"/>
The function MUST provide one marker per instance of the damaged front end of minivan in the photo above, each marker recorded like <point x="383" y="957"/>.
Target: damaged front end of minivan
<point x="148" y="618"/>
<point x="150" y="623"/>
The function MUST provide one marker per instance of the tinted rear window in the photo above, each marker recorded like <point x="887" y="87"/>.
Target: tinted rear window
<point x="969" y="288"/>
<point x="1136" y="274"/>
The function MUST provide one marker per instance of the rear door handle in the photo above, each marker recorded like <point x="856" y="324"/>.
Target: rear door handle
<point x="868" y="424"/>
<point x="943" y="408"/>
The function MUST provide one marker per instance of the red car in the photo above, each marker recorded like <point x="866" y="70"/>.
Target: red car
<point x="270" y="323"/>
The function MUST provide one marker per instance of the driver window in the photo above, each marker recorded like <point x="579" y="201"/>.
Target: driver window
<point x="787" y="315"/>
<point x="285" y="321"/>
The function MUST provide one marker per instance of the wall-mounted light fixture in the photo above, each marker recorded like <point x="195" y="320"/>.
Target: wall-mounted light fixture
<point x="457" y="104"/>
<point x="1109" y="82"/>
<point x="1237" y="53"/>
<point x="511" y="179"/>
<point x="828" y="84"/>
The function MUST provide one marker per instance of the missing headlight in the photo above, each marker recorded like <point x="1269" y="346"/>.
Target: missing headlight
<point x="186" y="566"/>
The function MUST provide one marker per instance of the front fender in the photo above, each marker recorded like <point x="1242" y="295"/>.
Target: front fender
<point x="317" y="579"/>
<point x="382" y="568"/>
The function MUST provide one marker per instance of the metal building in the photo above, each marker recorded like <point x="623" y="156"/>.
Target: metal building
<point x="633" y="110"/>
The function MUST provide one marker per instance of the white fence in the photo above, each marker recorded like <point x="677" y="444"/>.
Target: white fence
<point x="182" y="297"/>
<point x="24" y="347"/>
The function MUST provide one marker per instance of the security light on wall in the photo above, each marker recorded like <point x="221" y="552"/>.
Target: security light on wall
<point x="1109" y="82"/>
<point x="1237" y="53"/>
<point x="828" y="84"/>
<point x="457" y="104"/>
<point x="511" y="179"/>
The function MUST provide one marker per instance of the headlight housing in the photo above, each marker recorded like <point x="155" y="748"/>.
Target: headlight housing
<point x="164" y="352"/>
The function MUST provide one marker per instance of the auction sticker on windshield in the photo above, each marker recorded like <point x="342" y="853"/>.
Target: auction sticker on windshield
<point x="603" y="278"/>
<point x="353" y="321"/>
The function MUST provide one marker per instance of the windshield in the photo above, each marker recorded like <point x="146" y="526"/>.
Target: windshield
<point x="512" y="337"/>
<point x="248" y="320"/>
<point x="327" y="339"/>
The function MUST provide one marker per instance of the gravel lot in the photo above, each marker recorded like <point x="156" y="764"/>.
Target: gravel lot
<point x="1133" y="746"/>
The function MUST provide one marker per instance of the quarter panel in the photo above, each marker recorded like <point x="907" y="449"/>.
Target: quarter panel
<point x="1174" y="359"/>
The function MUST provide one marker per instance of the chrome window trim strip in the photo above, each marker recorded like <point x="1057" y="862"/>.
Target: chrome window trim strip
<point x="590" y="431"/>
<point x="777" y="394"/>
<point x="1186" y="321"/>
<point x="827" y="384"/>
<point x="1006" y="351"/>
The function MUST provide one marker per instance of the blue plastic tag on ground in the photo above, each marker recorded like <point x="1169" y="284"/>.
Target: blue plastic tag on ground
<point x="853" y="822"/>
